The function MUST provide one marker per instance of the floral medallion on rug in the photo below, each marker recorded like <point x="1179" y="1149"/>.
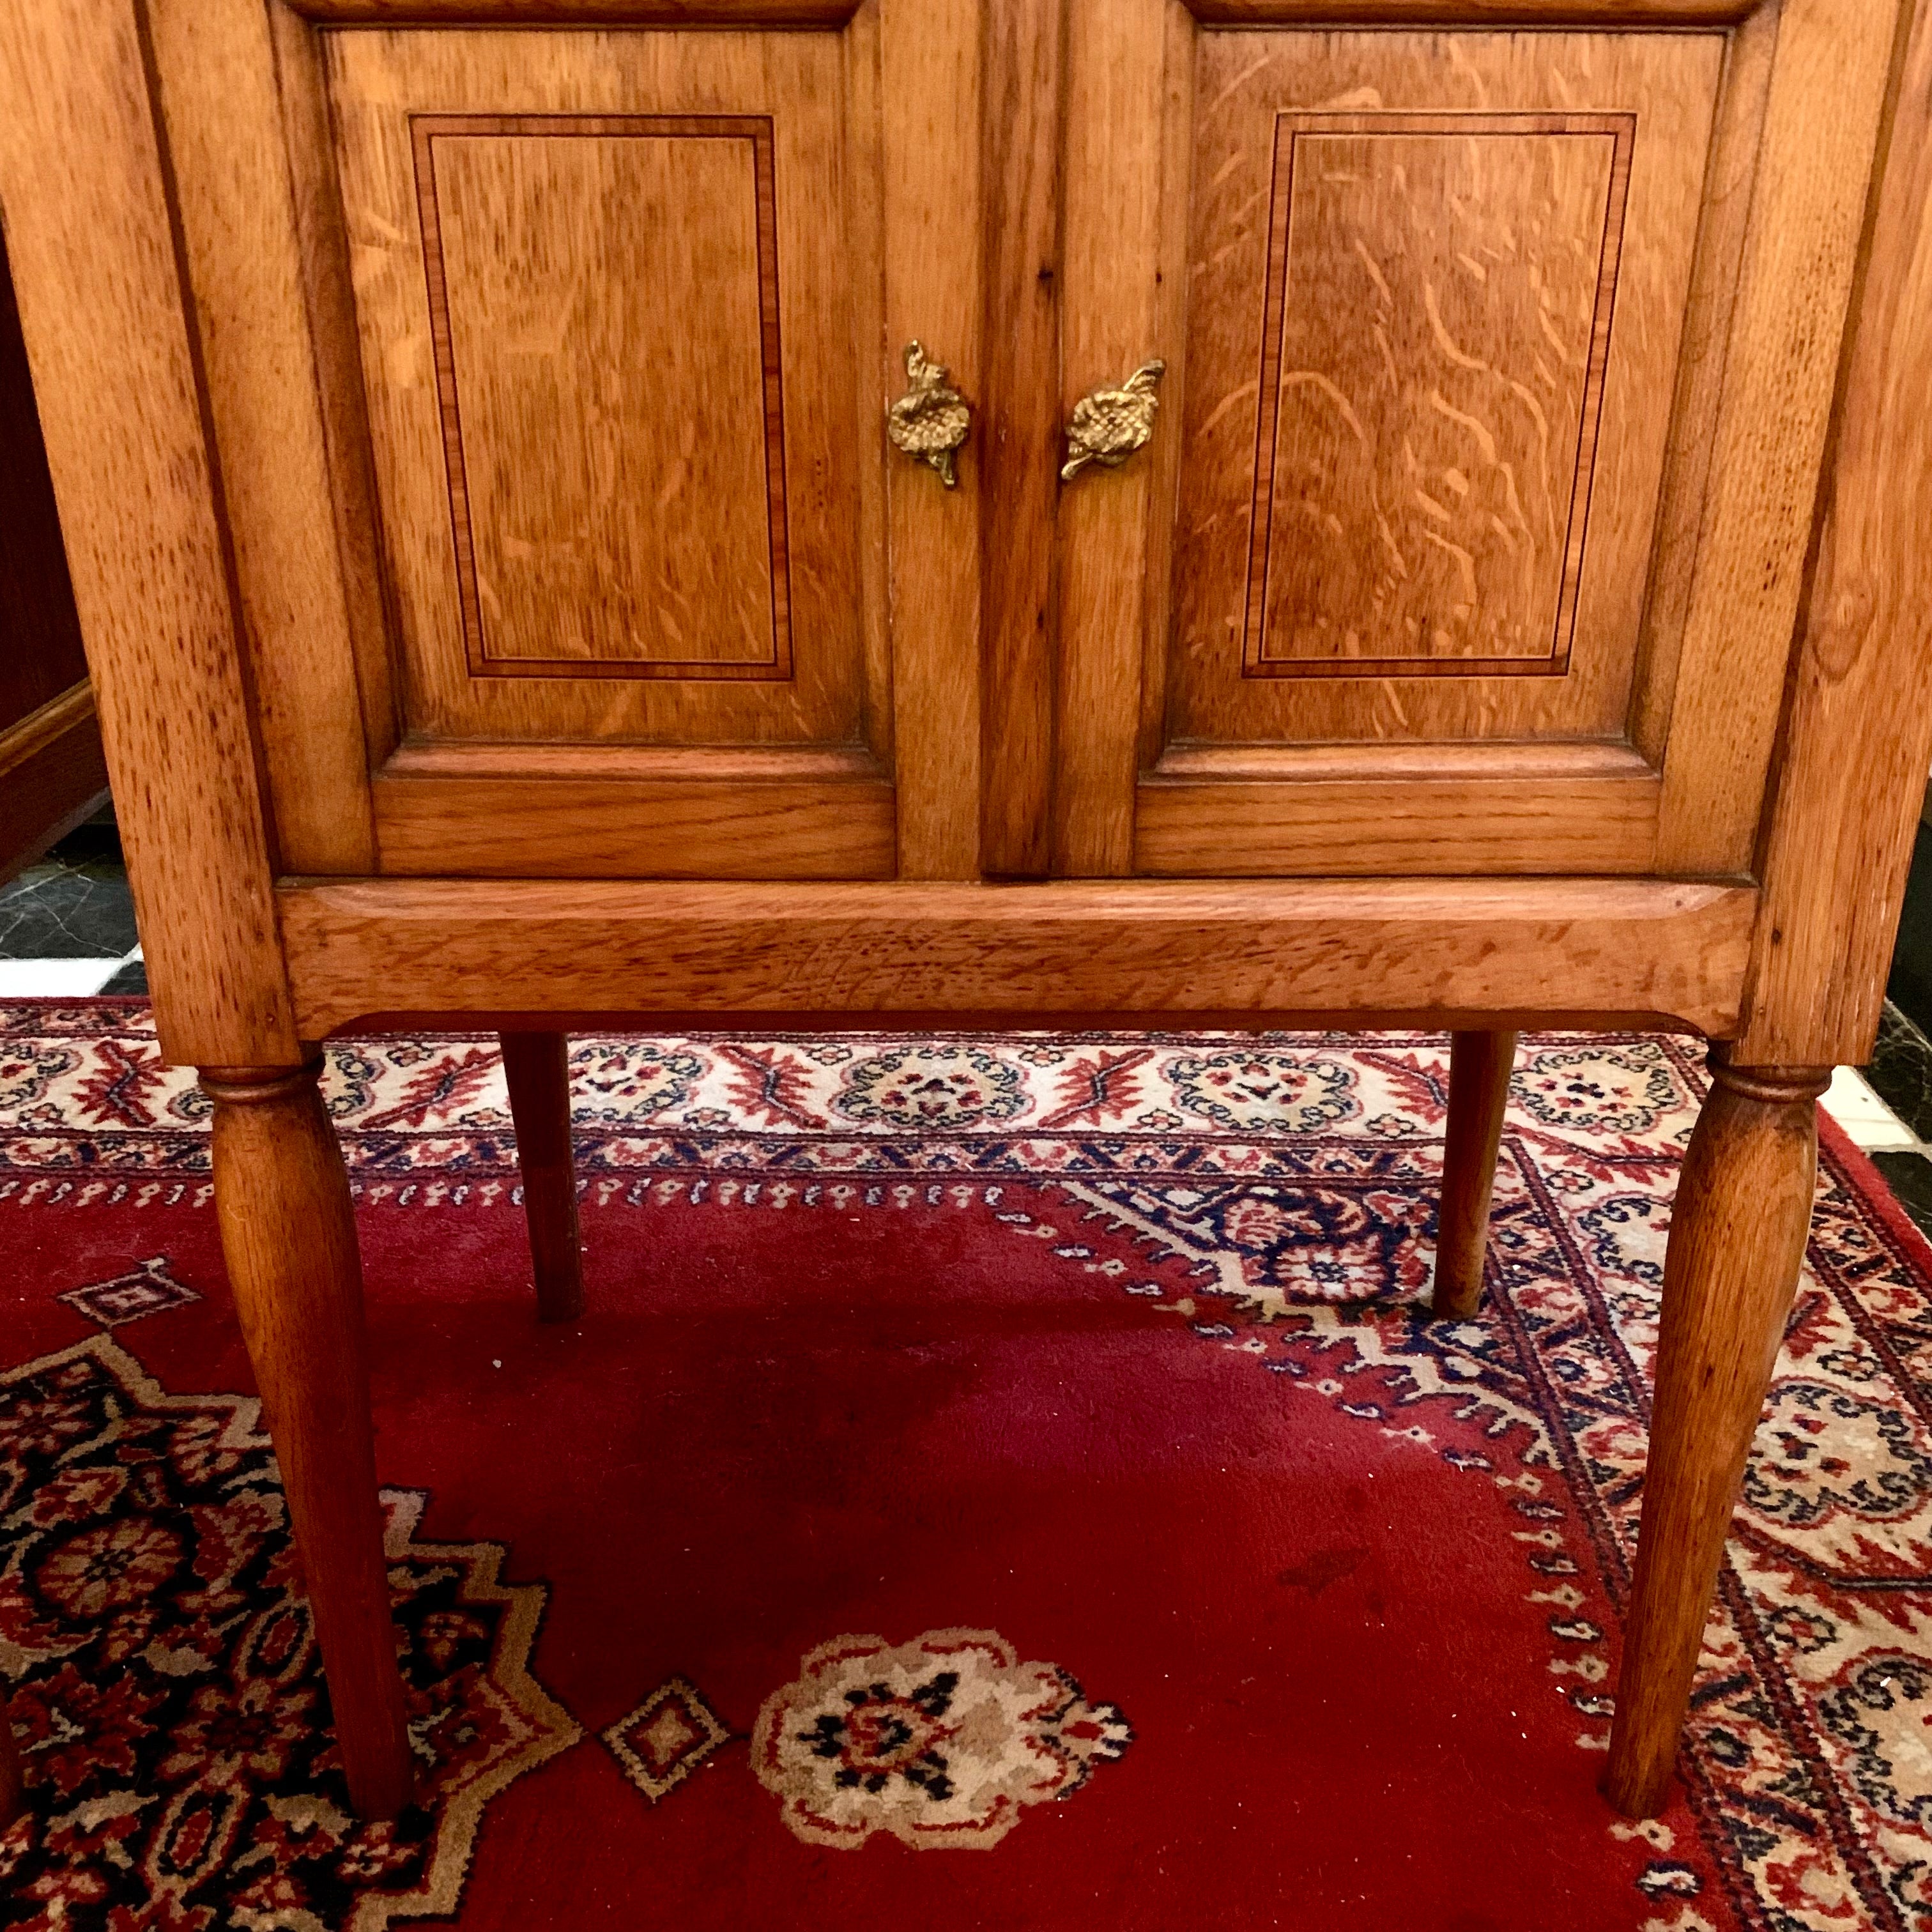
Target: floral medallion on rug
<point x="1025" y="1448"/>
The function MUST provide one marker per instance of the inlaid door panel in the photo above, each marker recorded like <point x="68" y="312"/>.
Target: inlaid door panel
<point x="1430" y="359"/>
<point x="1445" y="314"/>
<point x="611" y="289"/>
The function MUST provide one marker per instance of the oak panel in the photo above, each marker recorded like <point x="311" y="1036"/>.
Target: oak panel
<point x="1343" y="825"/>
<point x="221" y="95"/>
<point x="1423" y="509"/>
<point x="684" y="825"/>
<point x="625" y="360"/>
<point x="1026" y="173"/>
<point x="1857" y="732"/>
<point x="142" y="513"/>
<point x="929" y="78"/>
<point x="1147" y="951"/>
<point x="1502" y="229"/>
<point x="1116" y="131"/>
<point x="640" y="406"/>
<point x="1823" y="112"/>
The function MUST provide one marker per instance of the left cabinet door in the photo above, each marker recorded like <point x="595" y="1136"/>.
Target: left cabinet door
<point x="605" y="287"/>
<point x="548" y="362"/>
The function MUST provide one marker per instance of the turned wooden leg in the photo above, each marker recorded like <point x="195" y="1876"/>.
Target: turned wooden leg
<point x="1479" y="1077"/>
<point x="537" y="1067"/>
<point x="288" y="1233"/>
<point x="13" y="1790"/>
<point x="1737" y="1240"/>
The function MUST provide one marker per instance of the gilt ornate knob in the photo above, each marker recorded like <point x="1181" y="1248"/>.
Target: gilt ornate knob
<point x="930" y="420"/>
<point x="1108" y="425"/>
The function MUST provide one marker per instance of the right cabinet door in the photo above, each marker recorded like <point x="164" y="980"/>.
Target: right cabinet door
<point x="1471" y="534"/>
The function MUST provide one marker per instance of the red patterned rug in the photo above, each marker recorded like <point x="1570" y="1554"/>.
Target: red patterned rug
<point x="1026" y="1446"/>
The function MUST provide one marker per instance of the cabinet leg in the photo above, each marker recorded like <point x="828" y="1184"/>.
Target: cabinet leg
<point x="13" y="1789"/>
<point x="1479" y="1077"/>
<point x="1737" y="1240"/>
<point x="288" y="1233"/>
<point x="537" y="1067"/>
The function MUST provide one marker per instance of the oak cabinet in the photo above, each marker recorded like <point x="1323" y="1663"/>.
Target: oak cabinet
<point x="1466" y="540"/>
<point x="1004" y="512"/>
<point x="610" y="302"/>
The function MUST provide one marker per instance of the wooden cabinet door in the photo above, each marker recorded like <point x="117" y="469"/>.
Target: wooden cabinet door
<point x="1498" y="368"/>
<point x="601" y="323"/>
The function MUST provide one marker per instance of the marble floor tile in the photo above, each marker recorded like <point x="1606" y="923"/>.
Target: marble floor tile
<point x="1865" y="1117"/>
<point x="72" y="904"/>
<point x="1901" y="1072"/>
<point x="1909" y="1176"/>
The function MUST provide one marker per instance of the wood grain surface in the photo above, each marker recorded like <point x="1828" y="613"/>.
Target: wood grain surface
<point x="684" y="824"/>
<point x="1467" y="391"/>
<point x="288" y="1238"/>
<point x="121" y="406"/>
<point x="1479" y="1077"/>
<point x="1475" y="13"/>
<point x="1146" y="952"/>
<point x="1022" y="165"/>
<point x="1858" y="734"/>
<point x="630" y="306"/>
<point x="1115" y="123"/>
<point x="1827" y="92"/>
<point x="1422" y="484"/>
<point x="577" y="13"/>
<point x="220" y="95"/>
<point x="607" y="287"/>
<point x="1737" y="1238"/>
<point x="934" y="239"/>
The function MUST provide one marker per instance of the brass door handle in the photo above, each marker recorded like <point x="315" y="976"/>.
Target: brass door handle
<point x="1109" y="424"/>
<point x="930" y="420"/>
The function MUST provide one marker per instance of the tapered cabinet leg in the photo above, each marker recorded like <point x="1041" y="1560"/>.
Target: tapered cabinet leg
<point x="1737" y="1240"/>
<point x="12" y="1790"/>
<point x="288" y="1233"/>
<point x="1479" y="1077"/>
<point x="537" y="1067"/>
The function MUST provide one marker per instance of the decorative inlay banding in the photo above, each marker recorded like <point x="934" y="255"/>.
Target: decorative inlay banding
<point x="1434" y="334"/>
<point x="611" y="399"/>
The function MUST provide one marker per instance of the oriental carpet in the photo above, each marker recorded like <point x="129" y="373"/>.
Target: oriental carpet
<point x="1026" y="1449"/>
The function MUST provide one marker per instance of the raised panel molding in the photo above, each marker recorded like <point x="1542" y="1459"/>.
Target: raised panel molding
<point x="1436" y="325"/>
<point x="562" y="415"/>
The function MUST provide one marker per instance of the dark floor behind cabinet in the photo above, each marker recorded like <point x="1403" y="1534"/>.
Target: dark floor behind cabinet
<point x="51" y="773"/>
